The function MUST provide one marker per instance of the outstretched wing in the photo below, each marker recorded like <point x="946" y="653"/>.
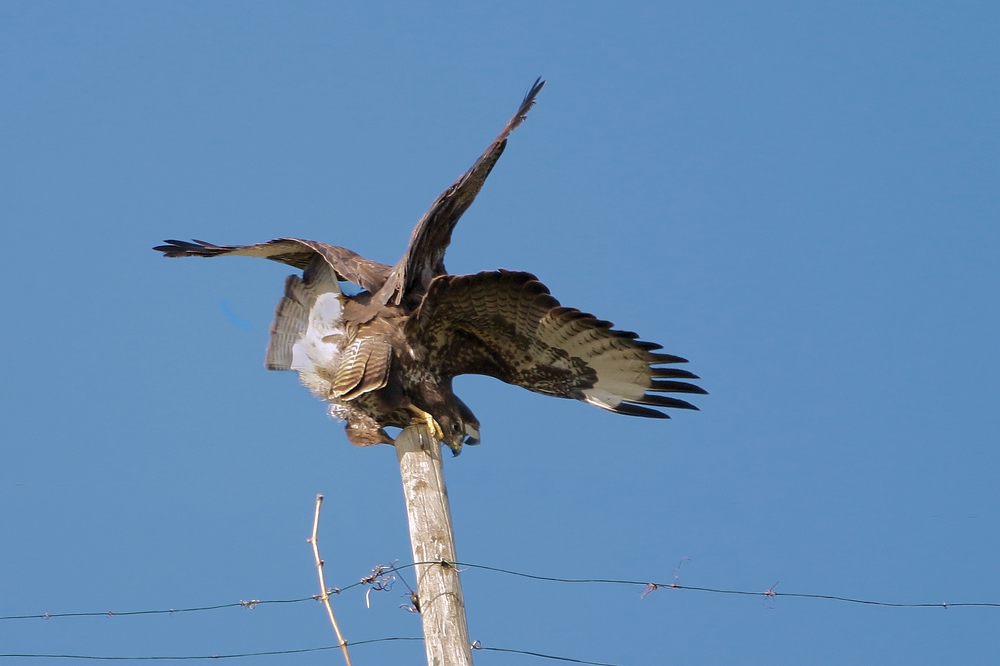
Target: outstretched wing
<point x="506" y="325"/>
<point x="348" y="265"/>
<point x="424" y="258"/>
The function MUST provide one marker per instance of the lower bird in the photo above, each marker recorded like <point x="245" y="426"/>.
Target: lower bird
<point x="386" y="356"/>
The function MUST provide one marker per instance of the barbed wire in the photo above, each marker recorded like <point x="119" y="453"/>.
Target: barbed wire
<point x="380" y="581"/>
<point x="163" y="611"/>
<point x="769" y="593"/>
<point x="238" y="655"/>
<point x="479" y="646"/>
<point x="382" y="578"/>
<point x="268" y="653"/>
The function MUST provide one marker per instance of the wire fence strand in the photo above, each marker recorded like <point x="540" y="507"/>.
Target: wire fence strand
<point x="161" y="611"/>
<point x="477" y="646"/>
<point x="769" y="593"/>
<point x="376" y="579"/>
<point x="381" y="578"/>
<point x="270" y="653"/>
<point x="238" y="655"/>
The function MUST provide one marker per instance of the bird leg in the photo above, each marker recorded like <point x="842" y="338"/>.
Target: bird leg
<point x="430" y="421"/>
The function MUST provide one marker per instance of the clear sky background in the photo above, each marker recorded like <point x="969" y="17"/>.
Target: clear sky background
<point x="801" y="198"/>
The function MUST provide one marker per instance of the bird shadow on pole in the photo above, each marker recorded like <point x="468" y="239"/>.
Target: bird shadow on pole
<point x="439" y="590"/>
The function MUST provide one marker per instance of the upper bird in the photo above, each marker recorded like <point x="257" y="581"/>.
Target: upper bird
<point x="386" y="356"/>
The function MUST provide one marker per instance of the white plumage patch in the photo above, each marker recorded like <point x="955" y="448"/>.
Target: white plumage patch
<point x="618" y="379"/>
<point x="602" y="399"/>
<point x="308" y="332"/>
<point x="320" y="344"/>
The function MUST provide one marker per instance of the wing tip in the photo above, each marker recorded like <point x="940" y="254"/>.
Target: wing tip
<point x="660" y="358"/>
<point x="628" y="409"/>
<point x="672" y="373"/>
<point x="191" y="248"/>
<point x="667" y="386"/>
<point x="665" y="401"/>
<point x="529" y="97"/>
<point x="526" y="105"/>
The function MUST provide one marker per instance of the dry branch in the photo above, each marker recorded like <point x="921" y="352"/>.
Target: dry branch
<point x="324" y="595"/>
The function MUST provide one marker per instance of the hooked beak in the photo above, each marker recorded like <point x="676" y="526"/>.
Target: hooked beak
<point x="470" y="436"/>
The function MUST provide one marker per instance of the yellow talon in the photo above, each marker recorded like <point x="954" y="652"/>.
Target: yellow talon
<point x="432" y="425"/>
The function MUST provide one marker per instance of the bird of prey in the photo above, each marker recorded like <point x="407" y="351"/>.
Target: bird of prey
<point x="386" y="356"/>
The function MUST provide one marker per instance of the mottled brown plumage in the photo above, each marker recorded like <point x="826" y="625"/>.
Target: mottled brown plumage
<point x="386" y="356"/>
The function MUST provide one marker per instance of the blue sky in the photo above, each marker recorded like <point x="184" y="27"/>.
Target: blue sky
<point x="801" y="198"/>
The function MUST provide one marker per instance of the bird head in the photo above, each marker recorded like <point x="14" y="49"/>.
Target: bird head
<point x="459" y="426"/>
<point x="457" y="432"/>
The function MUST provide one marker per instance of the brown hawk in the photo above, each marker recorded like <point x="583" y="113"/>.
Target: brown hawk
<point x="386" y="356"/>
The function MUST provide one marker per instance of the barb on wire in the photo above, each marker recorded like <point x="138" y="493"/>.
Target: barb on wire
<point x="324" y="594"/>
<point x="379" y="580"/>
<point x="414" y="605"/>
<point x="677" y="569"/>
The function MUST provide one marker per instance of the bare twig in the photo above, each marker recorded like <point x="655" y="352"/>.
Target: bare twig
<point x="324" y="593"/>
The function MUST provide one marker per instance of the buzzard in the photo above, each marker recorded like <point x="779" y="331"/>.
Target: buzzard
<point x="386" y="356"/>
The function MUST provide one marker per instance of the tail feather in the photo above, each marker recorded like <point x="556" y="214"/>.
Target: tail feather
<point x="291" y="319"/>
<point x="292" y="315"/>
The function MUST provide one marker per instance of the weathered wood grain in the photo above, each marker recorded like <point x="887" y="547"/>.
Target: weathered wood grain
<point x="442" y="608"/>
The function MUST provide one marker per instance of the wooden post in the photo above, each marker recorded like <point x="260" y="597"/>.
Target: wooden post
<point x="442" y="608"/>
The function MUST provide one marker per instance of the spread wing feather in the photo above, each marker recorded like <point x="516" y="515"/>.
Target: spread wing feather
<point x="507" y="325"/>
<point x="348" y="265"/>
<point x="424" y="258"/>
